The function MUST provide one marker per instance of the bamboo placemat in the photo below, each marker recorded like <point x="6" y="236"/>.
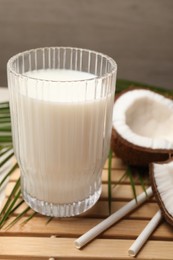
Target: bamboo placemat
<point x="38" y="239"/>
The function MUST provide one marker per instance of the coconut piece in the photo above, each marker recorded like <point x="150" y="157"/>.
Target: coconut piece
<point x="142" y="127"/>
<point x="162" y="183"/>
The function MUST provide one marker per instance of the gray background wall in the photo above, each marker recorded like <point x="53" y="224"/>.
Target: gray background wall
<point x="137" y="34"/>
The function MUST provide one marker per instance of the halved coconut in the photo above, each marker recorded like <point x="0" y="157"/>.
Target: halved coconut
<point x="142" y="127"/>
<point x="162" y="183"/>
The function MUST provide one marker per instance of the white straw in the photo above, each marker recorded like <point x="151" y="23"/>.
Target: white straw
<point x="142" y="238"/>
<point x="95" y="231"/>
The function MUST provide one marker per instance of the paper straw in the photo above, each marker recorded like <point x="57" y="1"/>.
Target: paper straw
<point x="95" y="231"/>
<point x="142" y="238"/>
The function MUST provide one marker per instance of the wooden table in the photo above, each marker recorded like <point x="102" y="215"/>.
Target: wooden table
<point x="55" y="240"/>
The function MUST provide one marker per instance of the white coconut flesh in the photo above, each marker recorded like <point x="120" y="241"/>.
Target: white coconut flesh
<point x="144" y="118"/>
<point x="163" y="176"/>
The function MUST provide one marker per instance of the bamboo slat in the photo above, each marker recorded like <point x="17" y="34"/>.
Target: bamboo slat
<point x="120" y="192"/>
<point x="101" y="210"/>
<point x="77" y="226"/>
<point x="44" y="248"/>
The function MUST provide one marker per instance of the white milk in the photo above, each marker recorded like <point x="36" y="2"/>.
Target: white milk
<point x="63" y="139"/>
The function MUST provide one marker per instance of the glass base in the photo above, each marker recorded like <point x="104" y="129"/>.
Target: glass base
<point x="61" y="210"/>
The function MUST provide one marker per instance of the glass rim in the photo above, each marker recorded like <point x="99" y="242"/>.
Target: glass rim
<point x="22" y="76"/>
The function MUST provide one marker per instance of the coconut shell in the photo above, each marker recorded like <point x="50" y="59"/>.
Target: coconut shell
<point x="135" y="155"/>
<point x="132" y="154"/>
<point x="164" y="211"/>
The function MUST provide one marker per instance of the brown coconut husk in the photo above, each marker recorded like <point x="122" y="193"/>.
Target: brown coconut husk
<point x="135" y="155"/>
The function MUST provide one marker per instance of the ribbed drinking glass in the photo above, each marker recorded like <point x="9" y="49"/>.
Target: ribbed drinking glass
<point x="61" y="102"/>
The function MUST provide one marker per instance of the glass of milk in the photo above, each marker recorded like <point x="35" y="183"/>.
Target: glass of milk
<point x="61" y="102"/>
